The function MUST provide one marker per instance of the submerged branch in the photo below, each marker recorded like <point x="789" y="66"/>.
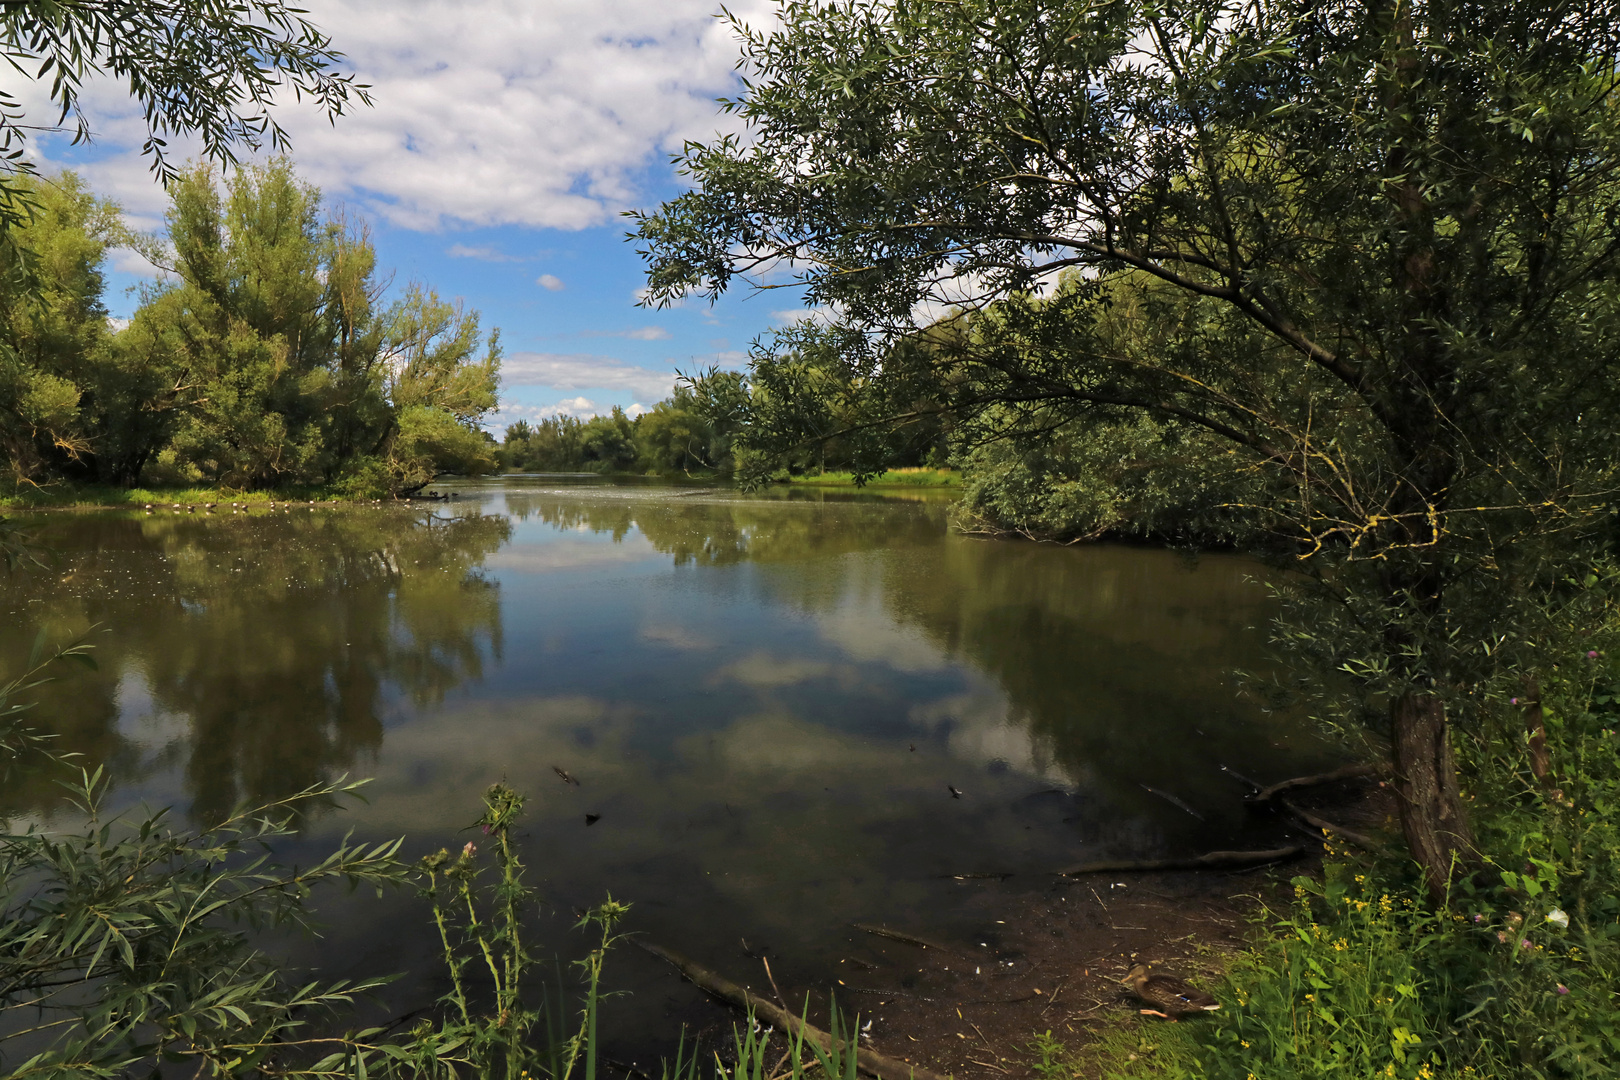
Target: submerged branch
<point x="1209" y="861"/>
<point x="869" y="1061"/>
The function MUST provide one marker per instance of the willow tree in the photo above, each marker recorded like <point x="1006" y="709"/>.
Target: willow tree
<point x="198" y="68"/>
<point x="1371" y="243"/>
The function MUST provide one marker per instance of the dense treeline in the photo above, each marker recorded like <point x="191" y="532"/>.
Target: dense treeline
<point x="714" y="425"/>
<point x="268" y="356"/>
<point x="703" y="428"/>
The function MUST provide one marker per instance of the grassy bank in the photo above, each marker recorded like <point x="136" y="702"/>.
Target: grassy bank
<point x="64" y="495"/>
<point x="918" y="477"/>
<point x="1516" y="975"/>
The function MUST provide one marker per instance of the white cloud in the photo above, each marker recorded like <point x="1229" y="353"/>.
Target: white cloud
<point x="802" y="315"/>
<point x="584" y="373"/>
<point x="636" y="409"/>
<point x="129" y="261"/>
<point x="643" y="333"/>
<point x="574" y="406"/>
<point x="510" y="412"/>
<point x="487" y="111"/>
<point x="483" y="253"/>
<point x="549" y="282"/>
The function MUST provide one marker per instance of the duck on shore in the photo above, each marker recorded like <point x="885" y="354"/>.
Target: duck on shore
<point x="1170" y="997"/>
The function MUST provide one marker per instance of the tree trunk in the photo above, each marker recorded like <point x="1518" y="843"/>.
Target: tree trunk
<point x="1536" y="728"/>
<point x="1431" y="808"/>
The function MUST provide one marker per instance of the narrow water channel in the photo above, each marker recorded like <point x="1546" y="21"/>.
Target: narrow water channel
<point x="784" y="713"/>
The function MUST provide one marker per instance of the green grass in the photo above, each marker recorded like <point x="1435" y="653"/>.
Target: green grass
<point x="918" y="477"/>
<point x="65" y="495"/>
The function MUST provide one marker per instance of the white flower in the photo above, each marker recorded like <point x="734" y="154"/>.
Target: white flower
<point x="1557" y="917"/>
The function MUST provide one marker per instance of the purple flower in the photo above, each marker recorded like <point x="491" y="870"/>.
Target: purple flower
<point x="1513" y="701"/>
<point x="1525" y="943"/>
<point x="1562" y="989"/>
<point x="486" y="830"/>
<point x="1478" y="919"/>
<point x="1591" y="654"/>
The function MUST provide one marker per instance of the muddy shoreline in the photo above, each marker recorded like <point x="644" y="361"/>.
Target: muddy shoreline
<point x="1053" y="962"/>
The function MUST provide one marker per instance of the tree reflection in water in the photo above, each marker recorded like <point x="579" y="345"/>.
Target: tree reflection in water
<point x="269" y="645"/>
<point x="1116" y="662"/>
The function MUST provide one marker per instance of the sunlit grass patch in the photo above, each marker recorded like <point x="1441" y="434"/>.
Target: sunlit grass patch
<point x="910" y="477"/>
<point x="71" y="495"/>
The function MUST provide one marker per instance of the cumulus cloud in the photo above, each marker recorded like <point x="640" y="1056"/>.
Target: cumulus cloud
<point x="510" y="412"/>
<point x="584" y="372"/>
<point x="487" y="112"/>
<point x="549" y="282"/>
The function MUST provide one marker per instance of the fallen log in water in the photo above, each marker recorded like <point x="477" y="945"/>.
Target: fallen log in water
<point x="1349" y="772"/>
<point x="868" y="1061"/>
<point x="1214" y="860"/>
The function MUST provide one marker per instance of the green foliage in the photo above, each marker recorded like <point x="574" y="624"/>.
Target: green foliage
<point x="194" y="67"/>
<point x="53" y="327"/>
<point x="693" y="429"/>
<point x="684" y="433"/>
<point x="1133" y="476"/>
<point x="273" y="361"/>
<point x="124" y="940"/>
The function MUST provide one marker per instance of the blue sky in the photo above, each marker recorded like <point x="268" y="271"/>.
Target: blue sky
<point x="506" y="140"/>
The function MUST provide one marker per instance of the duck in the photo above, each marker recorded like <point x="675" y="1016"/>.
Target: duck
<point x="1171" y="997"/>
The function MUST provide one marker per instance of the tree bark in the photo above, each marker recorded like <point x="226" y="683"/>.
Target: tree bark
<point x="1431" y="809"/>
<point x="1536" y="727"/>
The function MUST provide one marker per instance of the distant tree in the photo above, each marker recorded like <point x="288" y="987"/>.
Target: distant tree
<point x="1369" y="248"/>
<point x="693" y="428"/>
<point x="608" y="443"/>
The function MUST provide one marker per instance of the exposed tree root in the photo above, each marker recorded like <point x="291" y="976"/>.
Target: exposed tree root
<point x="1349" y="772"/>
<point x="1358" y="839"/>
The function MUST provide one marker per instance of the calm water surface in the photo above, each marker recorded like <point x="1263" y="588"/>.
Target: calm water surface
<point x="765" y="699"/>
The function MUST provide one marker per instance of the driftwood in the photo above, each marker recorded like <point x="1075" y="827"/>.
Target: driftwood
<point x="1358" y="839"/>
<point x="868" y="1061"/>
<point x="1349" y="772"/>
<point x="1214" y="860"/>
<point x="1172" y="800"/>
<point x="897" y="935"/>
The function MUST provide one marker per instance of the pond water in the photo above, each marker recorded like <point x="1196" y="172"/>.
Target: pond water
<point x="767" y="700"/>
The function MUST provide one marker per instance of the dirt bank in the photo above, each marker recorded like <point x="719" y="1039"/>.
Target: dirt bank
<point x="1053" y="961"/>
